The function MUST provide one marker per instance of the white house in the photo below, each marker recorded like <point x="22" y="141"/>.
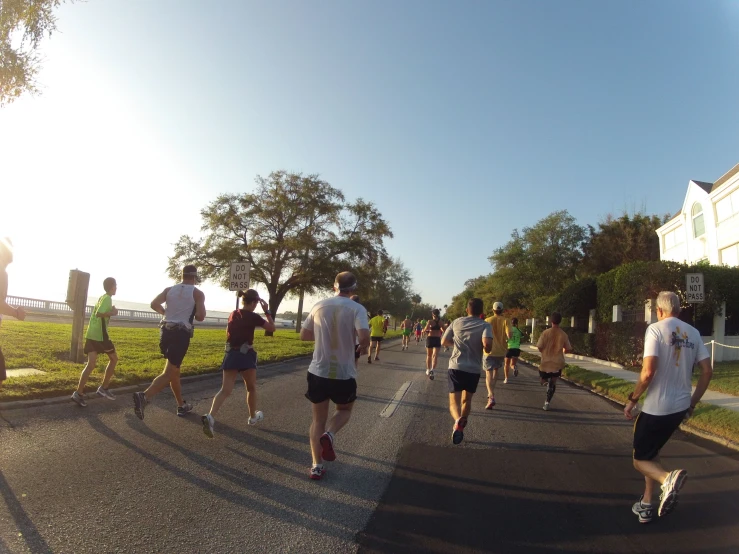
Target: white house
<point x="707" y="226"/>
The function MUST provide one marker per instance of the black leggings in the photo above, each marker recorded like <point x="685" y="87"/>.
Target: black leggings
<point x="551" y="387"/>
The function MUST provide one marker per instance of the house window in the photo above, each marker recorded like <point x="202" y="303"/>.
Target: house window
<point x="730" y="255"/>
<point x="673" y="238"/>
<point x="699" y="226"/>
<point x="728" y="206"/>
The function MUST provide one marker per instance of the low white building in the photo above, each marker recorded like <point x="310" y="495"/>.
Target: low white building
<point x="707" y="226"/>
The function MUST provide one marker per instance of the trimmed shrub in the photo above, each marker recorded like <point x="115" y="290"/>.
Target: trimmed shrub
<point x="621" y="342"/>
<point x="577" y="299"/>
<point x="582" y="343"/>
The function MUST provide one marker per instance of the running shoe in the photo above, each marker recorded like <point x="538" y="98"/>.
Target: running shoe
<point x="139" y="403"/>
<point x="458" y="430"/>
<point x="317" y="472"/>
<point x="327" y="446"/>
<point x="491" y="403"/>
<point x="670" y="489"/>
<point x="505" y="381"/>
<point x="79" y="399"/>
<point x="644" y="511"/>
<point x="208" y="424"/>
<point x="515" y="372"/>
<point x="369" y="359"/>
<point x="183" y="410"/>
<point x="546" y="406"/>
<point x="105" y="393"/>
<point x="258" y="416"/>
<point x="431" y="374"/>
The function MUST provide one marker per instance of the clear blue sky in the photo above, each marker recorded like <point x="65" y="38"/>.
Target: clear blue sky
<point x="460" y="121"/>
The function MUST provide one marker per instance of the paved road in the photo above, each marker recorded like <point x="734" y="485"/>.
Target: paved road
<point x="99" y="480"/>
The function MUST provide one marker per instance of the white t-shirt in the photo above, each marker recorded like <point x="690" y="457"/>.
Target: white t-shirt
<point x="678" y="347"/>
<point x="334" y="322"/>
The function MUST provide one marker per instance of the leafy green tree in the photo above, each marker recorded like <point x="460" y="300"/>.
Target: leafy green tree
<point x="540" y="260"/>
<point x="296" y="231"/>
<point x="23" y="24"/>
<point x="386" y="286"/>
<point x="622" y="240"/>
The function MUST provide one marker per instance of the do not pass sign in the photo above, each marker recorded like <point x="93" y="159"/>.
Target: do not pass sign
<point x="694" y="288"/>
<point x="239" y="277"/>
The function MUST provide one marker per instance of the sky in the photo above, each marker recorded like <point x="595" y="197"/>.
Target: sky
<point x="461" y="121"/>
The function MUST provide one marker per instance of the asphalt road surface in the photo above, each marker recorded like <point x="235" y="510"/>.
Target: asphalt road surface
<point x="97" y="479"/>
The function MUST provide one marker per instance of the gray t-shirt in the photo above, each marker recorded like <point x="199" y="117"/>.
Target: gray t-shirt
<point x="467" y="333"/>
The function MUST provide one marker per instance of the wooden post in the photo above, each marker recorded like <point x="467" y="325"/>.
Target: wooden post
<point x="79" y="282"/>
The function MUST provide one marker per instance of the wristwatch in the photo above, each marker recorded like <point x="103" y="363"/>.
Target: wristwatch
<point x="632" y="399"/>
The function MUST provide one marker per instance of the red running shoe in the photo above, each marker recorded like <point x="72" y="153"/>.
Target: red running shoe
<point x="317" y="472"/>
<point x="491" y="403"/>
<point x="327" y="444"/>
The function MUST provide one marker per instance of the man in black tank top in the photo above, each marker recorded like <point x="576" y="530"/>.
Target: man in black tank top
<point x="174" y="342"/>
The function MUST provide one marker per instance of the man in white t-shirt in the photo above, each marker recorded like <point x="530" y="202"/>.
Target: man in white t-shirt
<point x="671" y="349"/>
<point x="333" y="324"/>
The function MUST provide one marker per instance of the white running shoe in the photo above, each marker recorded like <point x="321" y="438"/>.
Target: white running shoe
<point x="259" y="416"/>
<point x="505" y="381"/>
<point x="208" y="424"/>
<point x="105" y="393"/>
<point x="546" y="406"/>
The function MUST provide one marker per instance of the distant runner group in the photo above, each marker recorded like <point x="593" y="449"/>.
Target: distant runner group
<point x="342" y="332"/>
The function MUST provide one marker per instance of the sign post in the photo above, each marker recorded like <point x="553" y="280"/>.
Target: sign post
<point x="694" y="288"/>
<point x="239" y="278"/>
<point x="79" y="282"/>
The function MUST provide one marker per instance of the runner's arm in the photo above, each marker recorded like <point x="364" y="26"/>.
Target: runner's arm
<point x="269" y="324"/>
<point x="199" y="297"/>
<point x="158" y="303"/>
<point x="487" y="345"/>
<point x="364" y="339"/>
<point x="702" y="384"/>
<point x="5" y="308"/>
<point x="648" y="371"/>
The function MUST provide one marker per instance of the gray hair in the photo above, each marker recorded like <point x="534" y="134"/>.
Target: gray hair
<point x="668" y="302"/>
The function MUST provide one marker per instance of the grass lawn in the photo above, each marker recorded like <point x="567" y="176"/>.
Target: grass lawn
<point x="706" y="417"/>
<point x="725" y="378"/>
<point x="45" y="346"/>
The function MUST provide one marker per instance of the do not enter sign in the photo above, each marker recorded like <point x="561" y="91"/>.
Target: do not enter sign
<point x="694" y="288"/>
<point x="239" y="278"/>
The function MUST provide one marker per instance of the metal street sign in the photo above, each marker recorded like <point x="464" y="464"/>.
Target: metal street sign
<point x="239" y="276"/>
<point x="694" y="288"/>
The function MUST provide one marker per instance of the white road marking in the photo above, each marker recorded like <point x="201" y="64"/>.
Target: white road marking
<point x="395" y="402"/>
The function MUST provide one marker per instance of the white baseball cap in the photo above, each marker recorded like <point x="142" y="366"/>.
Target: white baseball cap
<point x="498" y="306"/>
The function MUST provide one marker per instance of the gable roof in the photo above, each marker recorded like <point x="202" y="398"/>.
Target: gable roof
<point x="705" y="186"/>
<point x="729" y="174"/>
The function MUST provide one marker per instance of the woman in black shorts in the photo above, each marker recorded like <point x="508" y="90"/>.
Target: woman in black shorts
<point x="433" y="330"/>
<point x="241" y="358"/>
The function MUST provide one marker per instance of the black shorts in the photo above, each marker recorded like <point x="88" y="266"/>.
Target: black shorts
<point x="173" y="344"/>
<point x="433" y="342"/>
<point x="3" y="374"/>
<point x="462" y="381"/>
<point x="235" y="359"/>
<point x="513" y="353"/>
<point x="338" y="391"/>
<point x="652" y="432"/>
<point x="376" y="339"/>
<point x="552" y="374"/>
<point x="99" y="346"/>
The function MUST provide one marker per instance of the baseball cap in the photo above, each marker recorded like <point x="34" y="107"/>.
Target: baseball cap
<point x="498" y="306"/>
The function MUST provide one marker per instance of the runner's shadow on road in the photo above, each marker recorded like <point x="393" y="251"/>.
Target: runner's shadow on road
<point x="28" y="531"/>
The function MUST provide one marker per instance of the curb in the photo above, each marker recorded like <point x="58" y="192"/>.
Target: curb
<point x="723" y="441"/>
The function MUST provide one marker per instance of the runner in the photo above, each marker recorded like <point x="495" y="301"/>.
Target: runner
<point x="553" y="344"/>
<point x="469" y="336"/>
<point x="6" y="258"/>
<point x="433" y="331"/>
<point x="333" y="324"/>
<point x="241" y="358"/>
<point x="671" y="349"/>
<point x="514" y="349"/>
<point x="185" y="302"/>
<point x="419" y="330"/>
<point x="357" y="349"/>
<point x="423" y="328"/>
<point x="97" y="342"/>
<point x="494" y="361"/>
<point x="377" y="327"/>
<point x="406" y="327"/>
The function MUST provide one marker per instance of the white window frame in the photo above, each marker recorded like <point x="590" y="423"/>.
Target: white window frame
<point x="695" y="216"/>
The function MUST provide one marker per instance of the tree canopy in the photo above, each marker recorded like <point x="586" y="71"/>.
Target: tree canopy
<point x="23" y="24"/>
<point x="296" y="231"/>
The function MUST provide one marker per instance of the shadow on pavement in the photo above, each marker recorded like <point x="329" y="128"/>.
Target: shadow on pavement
<point x="29" y="534"/>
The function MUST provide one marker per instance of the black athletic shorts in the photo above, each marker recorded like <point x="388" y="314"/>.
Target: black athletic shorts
<point x="651" y="433"/>
<point x="551" y="374"/>
<point x="3" y="374"/>
<point x="99" y="346"/>
<point x="433" y="342"/>
<point x="173" y="344"/>
<point x="513" y="353"/>
<point x="462" y="380"/>
<point x="376" y="339"/>
<point x="338" y="391"/>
